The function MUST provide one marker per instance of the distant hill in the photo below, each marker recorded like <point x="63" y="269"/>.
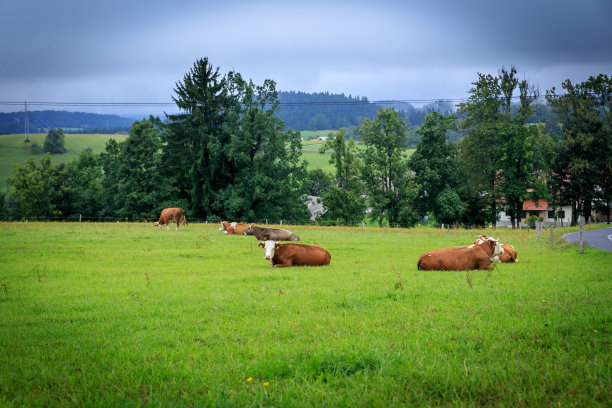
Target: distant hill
<point x="319" y="111"/>
<point x="71" y="122"/>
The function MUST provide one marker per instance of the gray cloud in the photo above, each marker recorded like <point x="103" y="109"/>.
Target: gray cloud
<point x="129" y="51"/>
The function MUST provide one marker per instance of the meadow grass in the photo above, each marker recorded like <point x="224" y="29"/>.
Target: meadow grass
<point x="125" y="314"/>
<point x="12" y="150"/>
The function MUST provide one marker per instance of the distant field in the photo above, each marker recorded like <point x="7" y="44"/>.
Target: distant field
<point x="12" y="149"/>
<point x="123" y="314"/>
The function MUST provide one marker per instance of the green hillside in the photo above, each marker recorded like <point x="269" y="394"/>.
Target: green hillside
<point x="14" y="151"/>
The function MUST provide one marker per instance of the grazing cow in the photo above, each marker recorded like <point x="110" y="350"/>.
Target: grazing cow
<point x="171" y="214"/>
<point x="509" y="254"/>
<point x="294" y="254"/>
<point x="461" y="258"/>
<point x="232" y="228"/>
<point x="274" y="234"/>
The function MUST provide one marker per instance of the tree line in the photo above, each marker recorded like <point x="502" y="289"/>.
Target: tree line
<point x="228" y="155"/>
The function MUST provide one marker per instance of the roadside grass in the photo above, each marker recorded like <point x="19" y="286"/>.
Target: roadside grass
<point x="124" y="314"/>
<point x="12" y="149"/>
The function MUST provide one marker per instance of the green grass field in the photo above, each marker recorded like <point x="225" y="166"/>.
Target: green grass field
<point x="128" y="315"/>
<point x="12" y="149"/>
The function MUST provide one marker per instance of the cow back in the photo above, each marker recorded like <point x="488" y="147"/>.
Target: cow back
<point x="300" y="255"/>
<point x="460" y="258"/>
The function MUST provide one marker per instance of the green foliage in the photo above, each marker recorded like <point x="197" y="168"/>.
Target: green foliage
<point x="54" y="142"/>
<point x="437" y="170"/>
<point x="344" y="199"/>
<point x="531" y="220"/>
<point x="385" y="171"/>
<point x="33" y="192"/>
<point x="504" y="155"/>
<point x="582" y="171"/>
<point x="229" y="152"/>
<point x="107" y="314"/>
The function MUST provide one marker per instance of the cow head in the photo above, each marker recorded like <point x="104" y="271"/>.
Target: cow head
<point x="497" y="249"/>
<point x="157" y="224"/>
<point x="249" y="230"/>
<point x="269" y="246"/>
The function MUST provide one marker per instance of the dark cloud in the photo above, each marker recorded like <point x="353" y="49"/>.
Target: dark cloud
<point x="116" y="51"/>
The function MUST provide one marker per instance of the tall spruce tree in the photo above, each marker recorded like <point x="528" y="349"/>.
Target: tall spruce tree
<point x="195" y="133"/>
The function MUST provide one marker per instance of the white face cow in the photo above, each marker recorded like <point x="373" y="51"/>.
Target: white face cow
<point x="498" y="249"/>
<point x="269" y="246"/>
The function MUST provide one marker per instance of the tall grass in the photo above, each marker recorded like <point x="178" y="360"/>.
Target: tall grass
<point x="125" y="314"/>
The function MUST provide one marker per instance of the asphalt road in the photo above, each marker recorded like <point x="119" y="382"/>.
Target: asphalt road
<point x="601" y="239"/>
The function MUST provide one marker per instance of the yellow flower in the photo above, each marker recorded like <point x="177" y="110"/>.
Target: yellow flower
<point x="249" y="379"/>
<point x="265" y="384"/>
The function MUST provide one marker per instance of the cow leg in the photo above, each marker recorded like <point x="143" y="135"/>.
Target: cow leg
<point x="167" y="226"/>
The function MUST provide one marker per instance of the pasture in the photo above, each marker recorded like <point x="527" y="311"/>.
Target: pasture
<point x="128" y="315"/>
<point x="13" y="150"/>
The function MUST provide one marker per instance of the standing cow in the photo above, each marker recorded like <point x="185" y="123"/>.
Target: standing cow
<point x="171" y="214"/>
<point x="460" y="258"/>
<point x="274" y="234"/>
<point x="294" y="254"/>
<point x="509" y="254"/>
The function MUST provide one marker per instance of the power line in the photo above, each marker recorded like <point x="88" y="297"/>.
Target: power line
<point x="287" y="103"/>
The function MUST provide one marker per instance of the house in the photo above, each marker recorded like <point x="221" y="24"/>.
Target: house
<point x="551" y="215"/>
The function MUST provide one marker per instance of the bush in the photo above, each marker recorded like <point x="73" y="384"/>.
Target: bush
<point x="531" y="220"/>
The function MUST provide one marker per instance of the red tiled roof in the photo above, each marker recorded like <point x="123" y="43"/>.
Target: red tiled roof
<point x="529" y="205"/>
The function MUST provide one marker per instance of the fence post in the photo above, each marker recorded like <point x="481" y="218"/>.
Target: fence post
<point x="281" y="222"/>
<point x="79" y="218"/>
<point x="552" y="235"/>
<point x="538" y="229"/>
<point x="362" y="224"/>
<point x="581" y="221"/>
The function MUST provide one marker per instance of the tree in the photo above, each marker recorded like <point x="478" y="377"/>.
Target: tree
<point x="343" y="198"/>
<point x="54" y="141"/>
<point x="437" y="170"/>
<point x="504" y="155"/>
<point x="33" y="191"/>
<point x="191" y="151"/>
<point x="142" y="189"/>
<point x="385" y="170"/>
<point x="584" y="164"/>
<point x="229" y="152"/>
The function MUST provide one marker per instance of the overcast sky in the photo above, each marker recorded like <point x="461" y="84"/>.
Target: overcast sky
<point x="135" y="51"/>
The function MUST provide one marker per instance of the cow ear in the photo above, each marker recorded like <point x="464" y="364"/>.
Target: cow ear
<point x="261" y="245"/>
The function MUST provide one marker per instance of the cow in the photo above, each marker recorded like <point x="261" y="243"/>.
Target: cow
<point x="232" y="228"/>
<point x="460" y="258"/>
<point x="283" y="255"/>
<point x="171" y="214"/>
<point x="274" y="234"/>
<point x="509" y="254"/>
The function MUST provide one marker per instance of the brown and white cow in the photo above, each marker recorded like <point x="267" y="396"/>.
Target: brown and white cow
<point x="294" y="254"/>
<point x="509" y="254"/>
<point x="232" y="228"/>
<point x="460" y="258"/>
<point x="169" y="215"/>
<point x="274" y="234"/>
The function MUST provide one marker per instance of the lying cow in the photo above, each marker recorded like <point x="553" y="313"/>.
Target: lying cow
<point x="232" y="228"/>
<point x="274" y="234"/>
<point x="460" y="258"/>
<point x="171" y="214"/>
<point x="509" y="254"/>
<point x="295" y="254"/>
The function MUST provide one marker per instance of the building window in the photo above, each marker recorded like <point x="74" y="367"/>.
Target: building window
<point x="560" y="214"/>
